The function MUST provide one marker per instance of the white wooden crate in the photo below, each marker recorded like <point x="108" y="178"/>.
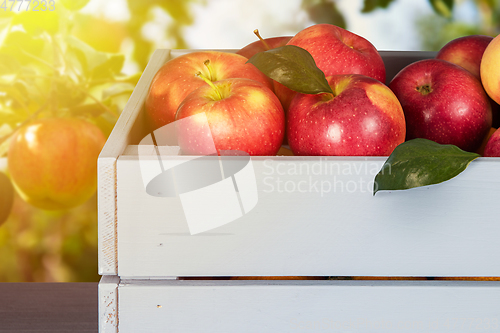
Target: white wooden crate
<point x="451" y="229"/>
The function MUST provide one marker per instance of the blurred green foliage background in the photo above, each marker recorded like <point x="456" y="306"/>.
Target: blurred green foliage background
<point x="68" y="62"/>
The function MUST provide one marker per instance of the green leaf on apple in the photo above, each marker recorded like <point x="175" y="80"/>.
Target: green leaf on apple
<point x="293" y="67"/>
<point x="421" y="162"/>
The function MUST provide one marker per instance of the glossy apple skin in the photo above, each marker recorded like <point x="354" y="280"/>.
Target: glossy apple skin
<point x="53" y="162"/>
<point x="338" y="51"/>
<point x="492" y="148"/>
<point x="284" y="94"/>
<point x="490" y="69"/>
<point x="466" y="52"/>
<point x="455" y="111"/>
<point x="480" y="150"/>
<point x="177" y="78"/>
<point x="364" y="119"/>
<point x="335" y="51"/>
<point x="248" y="118"/>
<point x="258" y="46"/>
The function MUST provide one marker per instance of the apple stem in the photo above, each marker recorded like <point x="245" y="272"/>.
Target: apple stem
<point x="207" y="64"/>
<point x="256" y="32"/>
<point x="210" y="83"/>
<point x="424" y="89"/>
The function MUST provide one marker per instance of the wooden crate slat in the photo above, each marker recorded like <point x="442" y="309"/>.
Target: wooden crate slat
<point x="316" y="306"/>
<point x="447" y="229"/>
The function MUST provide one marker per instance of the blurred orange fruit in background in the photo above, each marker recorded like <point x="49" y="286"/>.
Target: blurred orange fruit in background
<point x="53" y="162"/>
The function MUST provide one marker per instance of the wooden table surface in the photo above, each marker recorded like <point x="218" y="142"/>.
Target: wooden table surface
<point x="48" y="307"/>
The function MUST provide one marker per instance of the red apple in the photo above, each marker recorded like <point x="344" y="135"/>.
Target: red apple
<point x="335" y="51"/>
<point x="177" y="78"/>
<point x="480" y="150"/>
<point x="285" y="95"/>
<point x="443" y="102"/>
<point x="362" y="117"/>
<point x="466" y="52"/>
<point x="338" y="51"/>
<point x="242" y="115"/>
<point x="263" y="45"/>
<point x="492" y="148"/>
